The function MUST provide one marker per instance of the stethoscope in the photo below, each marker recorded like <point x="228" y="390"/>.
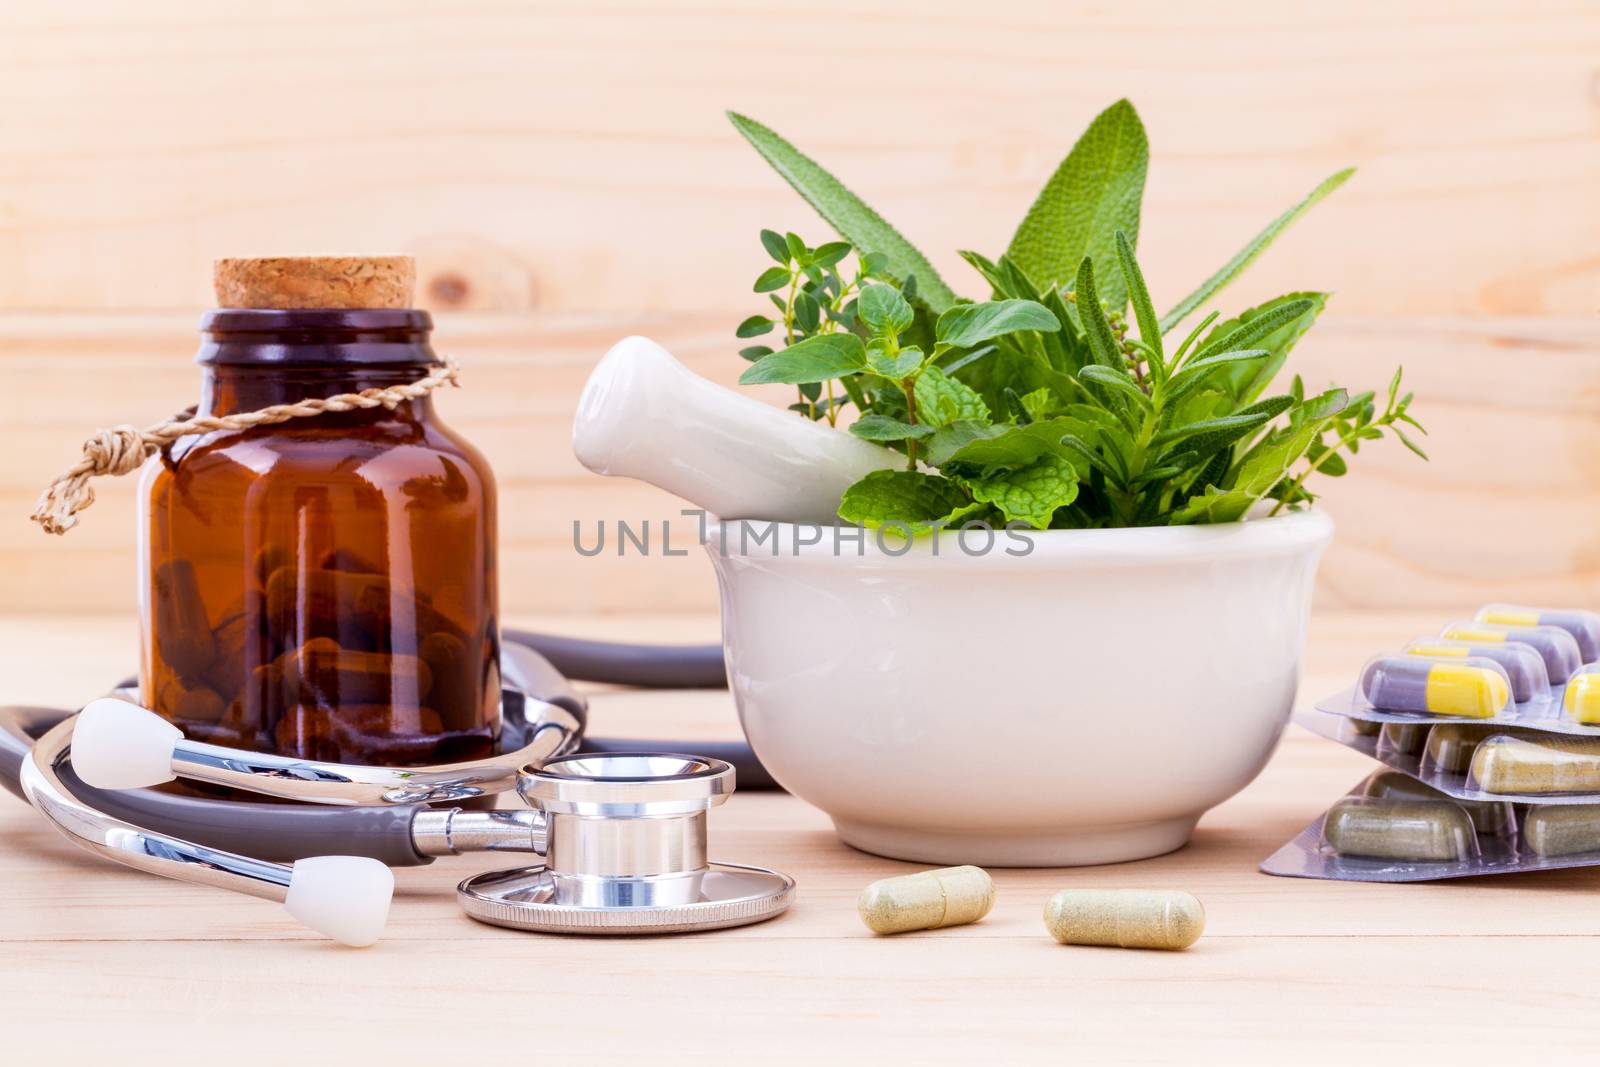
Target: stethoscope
<point x="622" y="834"/>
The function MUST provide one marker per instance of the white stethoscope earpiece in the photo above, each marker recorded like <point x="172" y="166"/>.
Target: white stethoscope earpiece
<point x="623" y="835"/>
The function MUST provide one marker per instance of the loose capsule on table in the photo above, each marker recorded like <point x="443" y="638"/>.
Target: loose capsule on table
<point x="1562" y="830"/>
<point x="1557" y="647"/>
<point x="1523" y="664"/>
<point x="1125" y="918"/>
<point x="1505" y="764"/>
<point x="1584" y="626"/>
<point x="1488" y="816"/>
<point x="927" y="900"/>
<point x="1581" y="701"/>
<point x="1418" y="831"/>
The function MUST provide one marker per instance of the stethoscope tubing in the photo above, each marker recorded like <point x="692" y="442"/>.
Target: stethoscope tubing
<point x="284" y="832"/>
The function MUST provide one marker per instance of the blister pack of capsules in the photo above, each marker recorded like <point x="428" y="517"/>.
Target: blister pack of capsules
<point x="1474" y="762"/>
<point x="1393" y="828"/>
<point x="1490" y="733"/>
<point x="1509" y="666"/>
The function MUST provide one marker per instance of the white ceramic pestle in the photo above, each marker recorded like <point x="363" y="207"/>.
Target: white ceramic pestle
<point x="645" y="415"/>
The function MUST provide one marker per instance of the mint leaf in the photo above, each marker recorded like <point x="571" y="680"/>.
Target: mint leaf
<point x="1003" y="446"/>
<point x="941" y="400"/>
<point x="966" y="325"/>
<point x="883" y="428"/>
<point x="1038" y="402"/>
<point x="845" y="212"/>
<point x="1032" y="493"/>
<point x="816" y="359"/>
<point x="951" y="439"/>
<point x="922" y="502"/>
<point x="884" y="310"/>
<point x="1247" y="255"/>
<point x="896" y="366"/>
<point x="1095" y="192"/>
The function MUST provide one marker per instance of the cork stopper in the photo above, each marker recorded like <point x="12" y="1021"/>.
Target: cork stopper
<point x="300" y="282"/>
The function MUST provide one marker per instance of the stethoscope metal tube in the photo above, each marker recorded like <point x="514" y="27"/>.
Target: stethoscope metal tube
<point x="550" y="730"/>
<point x="141" y="849"/>
<point x="623" y="834"/>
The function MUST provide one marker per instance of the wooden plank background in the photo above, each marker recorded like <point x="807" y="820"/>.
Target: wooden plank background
<point x="565" y="176"/>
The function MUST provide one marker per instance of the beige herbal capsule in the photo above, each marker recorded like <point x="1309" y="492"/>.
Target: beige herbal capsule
<point x="1562" y="830"/>
<point x="1550" y="765"/>
<point x="1419" y="831"/>
<point x="927" y="900"/>
<point x="1125" y="918"/>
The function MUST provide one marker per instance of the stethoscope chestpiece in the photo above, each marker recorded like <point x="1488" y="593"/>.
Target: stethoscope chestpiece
<point x="626" y="853"/>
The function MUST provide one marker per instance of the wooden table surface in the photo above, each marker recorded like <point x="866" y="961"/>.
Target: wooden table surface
<point x="100" y="960"/>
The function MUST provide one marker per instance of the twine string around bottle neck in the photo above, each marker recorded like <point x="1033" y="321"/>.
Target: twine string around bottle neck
<point x="119" y="450"/>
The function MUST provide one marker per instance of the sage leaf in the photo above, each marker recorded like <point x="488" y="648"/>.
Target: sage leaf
<point x="845" y="212"/>
<point x="1248" y="254"/>
<point x="966" y="325"/>
<point x="816" y="359"/>
<point x="1096" y="191"/>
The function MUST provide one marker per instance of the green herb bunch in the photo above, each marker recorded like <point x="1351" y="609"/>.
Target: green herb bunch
<point x="1045" y="405"/>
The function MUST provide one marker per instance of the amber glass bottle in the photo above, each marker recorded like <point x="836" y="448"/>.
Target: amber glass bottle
<point x="322" y="587"/>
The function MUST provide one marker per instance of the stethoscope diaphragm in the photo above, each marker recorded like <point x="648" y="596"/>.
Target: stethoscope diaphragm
<point x="625" y="853"/>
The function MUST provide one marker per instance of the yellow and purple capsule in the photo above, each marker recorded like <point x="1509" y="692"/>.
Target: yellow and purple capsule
<point x="1557" y="647"/>
<point x="1582" y="698"/>
<point x="1524" y="666"/>
<point x="1468" y="688"/>
<point x="1584" y="626"/>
